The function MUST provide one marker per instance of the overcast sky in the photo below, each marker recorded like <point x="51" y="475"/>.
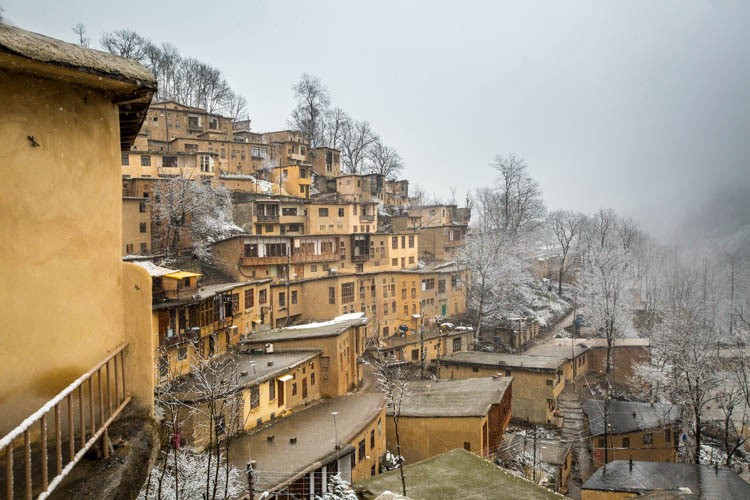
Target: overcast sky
<point x="642" y="106"/>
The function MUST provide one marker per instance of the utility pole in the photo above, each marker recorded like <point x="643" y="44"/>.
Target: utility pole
<point x="606" y="431"/>
<point x="533" y="470"/>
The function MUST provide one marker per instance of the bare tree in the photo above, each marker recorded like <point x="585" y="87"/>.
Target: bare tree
<point x="384" y="160"/>
<point x="418" y="195"/>
<point x="565" y="226"/>
<point x="80" y="30"/>
<point x="335" y="121"/>
<point x="392" y="381"/>
<point x="356" y="140"/>
<point x="237" y="108"/>
<point x="522" y="206"/>
<point x="312" y="101"/>
<point x="126" y="43"/>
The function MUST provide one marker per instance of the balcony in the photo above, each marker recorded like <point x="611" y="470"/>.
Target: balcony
<point x="360" y="258"/>
<point x="263" y="261"/>
<point x="367" y="218"/>
<point x="301" y="258"/>
<point x="189" y="335"/>
<point x="46" y="446"/>
<point x="267" y="217"/>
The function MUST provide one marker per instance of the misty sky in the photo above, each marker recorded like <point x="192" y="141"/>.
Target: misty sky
<point x="642" y="106"/>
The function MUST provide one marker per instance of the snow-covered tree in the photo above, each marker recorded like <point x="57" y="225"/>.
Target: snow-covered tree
<point x="605" y="280"/>
<point x="183" y="476"/>
<point x="338" y="489"/>
<point x="193" y="213"/>
<point x="686" y="341"/>
<point x="565" y="226"/>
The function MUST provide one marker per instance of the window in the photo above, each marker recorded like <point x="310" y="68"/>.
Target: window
<point x="457" y="344"/>
<point x="249" y="298"/>
<point x="411" y="241"/>
<point x="347" y="293"/>
<point x="312" y="378"/>
<point x="294" y="389"/>
<point x="601" y="443"/>
<point x="467" y="446"/>
<point x="262" y="296"/>
<point x="142" y="206"/>
<point x="313" y="268"/>
<point x="667" y="435"/>
<point x="550" y="382"/>
<point x="372" y="439"/>
<point x="441" y="286"/>
<point x="331" y="295"/>
<point x="142" y="227"/>
<point x="648" y="438"/>
<point x="205" y="163"/>
<point x="361" y="450"/>
<point x="415" y="354"/>
<point x="289" y="211"/>
<point x="475" y="369"/>
<point x="380" y="427"/>
<point x="394" y="242"/>
<point x="258" y="152"/>
<point x="428" y="284"/>
<point x="169" y="161"/>
<point x="271" y="389"/>
<point x="282" y="299"/>
<point x="144" y="248"/>
<point x="145" y="160"/>
<point x="626" y="442"/>
<point x="254" y="397"/>
<point x="341" y="212"/>
<point x="182" y="353"/>
<point x="322" y="212"/>
<point x="125" y="159"/>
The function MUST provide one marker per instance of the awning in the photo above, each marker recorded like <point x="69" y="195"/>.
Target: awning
<point x="285" y="378"/>
<point x="181" y="275"/>
<point x="257" y="320"/>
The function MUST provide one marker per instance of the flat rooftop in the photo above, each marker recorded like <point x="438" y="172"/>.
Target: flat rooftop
<point x="453" y="398"/>
<point x="684" y="480"/>
<point x="630" y="416"/>
<point x="555" y="350"/>
<point x="413" y="338"/>
<point x="279" y="460"/>
<point x="246" y="369"/>
<point x="334" y="327"/>
<point x="628" y="342"/>
<point x="457" y="474"/>
<point x="502" y="360"/>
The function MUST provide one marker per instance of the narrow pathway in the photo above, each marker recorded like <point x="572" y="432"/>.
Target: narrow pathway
<point x="575" y="433"/>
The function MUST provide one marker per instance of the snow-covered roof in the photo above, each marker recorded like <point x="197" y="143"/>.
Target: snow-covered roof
<point x="153" y="270"/>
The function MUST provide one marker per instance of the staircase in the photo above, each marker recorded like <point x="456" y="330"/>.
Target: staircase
<point x="575" y="432"/>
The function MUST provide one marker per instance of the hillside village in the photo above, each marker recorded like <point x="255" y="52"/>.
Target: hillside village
<point x="231" y="313"/>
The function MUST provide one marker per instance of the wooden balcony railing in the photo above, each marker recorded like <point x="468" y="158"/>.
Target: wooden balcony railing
<point x="299" y="258"/>
<point x="267" y="217"/>
<point x="78" y="417"/>
<point x="263" y="261"/>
